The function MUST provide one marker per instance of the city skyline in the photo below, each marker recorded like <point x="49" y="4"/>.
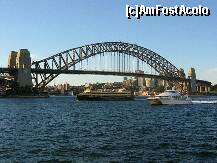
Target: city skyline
<point x="46" y="28"/>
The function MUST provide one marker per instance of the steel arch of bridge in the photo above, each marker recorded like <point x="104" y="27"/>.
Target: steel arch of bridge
<point x="69" y="58"/>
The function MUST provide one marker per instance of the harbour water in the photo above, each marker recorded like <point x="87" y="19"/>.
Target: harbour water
<point x="62" y="129"/>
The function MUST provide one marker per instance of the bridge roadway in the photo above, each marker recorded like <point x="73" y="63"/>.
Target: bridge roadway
<point x="94" y="72"/>
<point x="7" y="73"/>
<point x="7" y="70"/>
<point x="54" y="71"/>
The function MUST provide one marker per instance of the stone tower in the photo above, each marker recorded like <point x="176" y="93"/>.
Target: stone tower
<point x="22" y="61"/>
<point x="12" y="59"/>
<point x="192" y="76"/>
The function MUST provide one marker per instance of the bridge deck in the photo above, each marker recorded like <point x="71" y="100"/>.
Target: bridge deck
<point x="54" y="71"/>
<point x="51" y="71"/>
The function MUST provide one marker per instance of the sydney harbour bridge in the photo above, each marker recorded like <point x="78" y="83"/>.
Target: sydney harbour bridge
<point x="106" y="58"/>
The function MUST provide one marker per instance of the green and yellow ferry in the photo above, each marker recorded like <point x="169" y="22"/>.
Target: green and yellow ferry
<point x="104" y="95"/>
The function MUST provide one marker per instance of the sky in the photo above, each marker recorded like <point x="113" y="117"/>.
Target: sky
<point x="47" y="27"/>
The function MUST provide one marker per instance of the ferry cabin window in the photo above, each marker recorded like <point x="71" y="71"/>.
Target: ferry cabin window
<point x="171" y="91"/>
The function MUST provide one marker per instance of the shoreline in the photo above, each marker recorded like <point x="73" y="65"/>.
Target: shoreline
<point x="24" y="96"/>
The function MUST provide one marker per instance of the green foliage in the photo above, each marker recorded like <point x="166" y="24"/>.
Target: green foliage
<point x="159" y="89"/>
<point x="16" y="90"/>
<point x="214" y="88"/>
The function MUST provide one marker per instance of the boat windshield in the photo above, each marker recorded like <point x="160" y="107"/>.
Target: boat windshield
<point x="171" y="91"/>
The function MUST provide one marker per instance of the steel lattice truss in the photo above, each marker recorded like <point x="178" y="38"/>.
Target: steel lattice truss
<point x="6" y="73"/>
<point x="69" y="58"/>
<point x="6" y="78"/>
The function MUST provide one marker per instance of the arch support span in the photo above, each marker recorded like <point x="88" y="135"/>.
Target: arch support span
<point x="69" y="58"/>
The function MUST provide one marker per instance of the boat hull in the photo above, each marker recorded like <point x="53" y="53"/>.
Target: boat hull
<point x="168" y="101"/>
<point x="154" y="101"/>
<point x="89" y="97"/>
<point x="175" y="102"/>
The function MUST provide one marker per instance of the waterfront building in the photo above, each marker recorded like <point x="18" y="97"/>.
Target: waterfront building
<point x="140" y="82"/>
<point x="66" y="86"/>
<point x="203" y="87"/>
<point x="164" y="83"/>
<point x="154" y="83"/>
<point x="127" y="83"/>
<point x="148" y="82"/>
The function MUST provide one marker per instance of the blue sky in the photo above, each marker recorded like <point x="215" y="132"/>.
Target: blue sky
<point x="46" y="27"/>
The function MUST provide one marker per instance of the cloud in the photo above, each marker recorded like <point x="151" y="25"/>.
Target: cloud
<point x="210" y="75"/>
<point x="35" y="57"/>
<point x="212" y="70"/>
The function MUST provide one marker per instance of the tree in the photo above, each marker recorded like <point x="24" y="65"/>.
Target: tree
<point x="159" y="89"/>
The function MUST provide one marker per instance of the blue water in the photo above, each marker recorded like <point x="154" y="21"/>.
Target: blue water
<point x="62" y="129"/>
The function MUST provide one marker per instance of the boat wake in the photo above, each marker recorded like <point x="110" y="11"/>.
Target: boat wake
<point x="204" y="101"/>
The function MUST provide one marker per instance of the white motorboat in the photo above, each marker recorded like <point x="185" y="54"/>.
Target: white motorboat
<point x="169" y="97"/>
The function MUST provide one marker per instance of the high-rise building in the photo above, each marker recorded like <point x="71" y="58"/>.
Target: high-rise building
<point x="66" y="86"/>
<point x="148" y="82"/>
